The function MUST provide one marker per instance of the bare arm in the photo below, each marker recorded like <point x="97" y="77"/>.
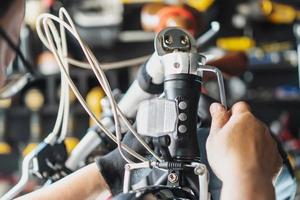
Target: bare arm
<point x="242" y="153"/>
<point x="248" y="187"/>
<point x="86" y="183"/>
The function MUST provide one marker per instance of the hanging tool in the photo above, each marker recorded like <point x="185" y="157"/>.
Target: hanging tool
<point x="93" y="99"/>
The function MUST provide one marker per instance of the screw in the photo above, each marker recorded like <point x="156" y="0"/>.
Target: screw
<point x="127" y="167"/>
<point x="182" y="105"/>
<point x="184" y="40"/>
<point x="199" y="170"/>
<point x="182" y="117"/>
<point x="168" y="40"/>
<point x="182" y="129"/>
<point x="172" y="178"/>
<point x="176" y="65"/>
<point x="45" y="174"/>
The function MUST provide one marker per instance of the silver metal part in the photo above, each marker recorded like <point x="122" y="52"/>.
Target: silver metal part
<point x="156" y="117"/>
<point x="127" y="174"/>
<point x="182" y="117"/>
<point x="182" y="63"/>
<point x="201" y="171"/>
<point x="173" y="177"/>
<point x="182" y="105"/>
<point x="177" y="51"/>
<point x="218" y="73"/>
<point x="182" y="129"/>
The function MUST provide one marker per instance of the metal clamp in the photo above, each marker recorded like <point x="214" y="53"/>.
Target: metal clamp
<point x="201" y="171"/>
<point x="127" y="174"/>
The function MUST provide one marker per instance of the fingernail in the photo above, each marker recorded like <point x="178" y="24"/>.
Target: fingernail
<point x="216" y="108"/>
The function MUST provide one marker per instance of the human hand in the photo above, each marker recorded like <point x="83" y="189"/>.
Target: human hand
<point x="240" y="149"/>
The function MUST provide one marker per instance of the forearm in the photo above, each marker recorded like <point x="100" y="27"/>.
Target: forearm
<point x="86" y="183"/>
<point x="248" y="188"/>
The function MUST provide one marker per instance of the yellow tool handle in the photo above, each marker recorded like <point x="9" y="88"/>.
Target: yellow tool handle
<point x="93" y="99"/>
<point x="278" y="13"/>
<point x="5" y="148"/>
<point x="71" y="143"/>
<point x="34" y="99"/>
<point x="236" y="43"/>
<point x="200" y="5"/>
<point x="30" y="147"/>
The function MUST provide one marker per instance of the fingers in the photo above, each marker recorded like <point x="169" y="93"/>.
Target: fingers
<point x="239" y="108"/>
<point x="219" y="117"/>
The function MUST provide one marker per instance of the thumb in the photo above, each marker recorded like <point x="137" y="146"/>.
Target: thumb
<point x="219" y="117"/>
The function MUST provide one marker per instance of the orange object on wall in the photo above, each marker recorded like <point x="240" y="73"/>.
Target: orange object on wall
<point x="157" y="16"/>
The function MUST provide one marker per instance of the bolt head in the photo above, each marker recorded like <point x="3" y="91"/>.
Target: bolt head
<point x="176" y="65"/>
<point x="45" y="174"/>
<point x="200" y="170"/>
<point x="168" y="40"/>
<point x="172" y="177"/>
<point x="184" y="40"/>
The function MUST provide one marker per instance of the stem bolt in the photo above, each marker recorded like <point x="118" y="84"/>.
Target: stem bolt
<point x="176" y="65"/>
<point x="172" y="177"/>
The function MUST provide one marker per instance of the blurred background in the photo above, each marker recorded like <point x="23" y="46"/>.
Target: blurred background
<point x="259" y="39"/>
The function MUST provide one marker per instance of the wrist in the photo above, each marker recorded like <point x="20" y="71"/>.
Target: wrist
<point x="248" y="186"/>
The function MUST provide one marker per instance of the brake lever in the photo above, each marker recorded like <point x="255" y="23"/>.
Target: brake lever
<point x="49" y="161"/>
<point x="27" y="162"/>
<point x="46" y="162"/>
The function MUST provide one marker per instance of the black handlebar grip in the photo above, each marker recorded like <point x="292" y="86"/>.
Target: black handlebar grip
<point x="185" y="90"/>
